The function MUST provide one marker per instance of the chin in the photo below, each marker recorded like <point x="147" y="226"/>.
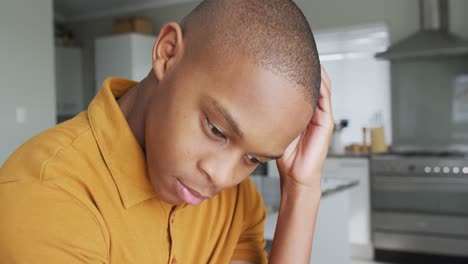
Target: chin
<point x="167" y="191"/>
<point x="170" y="199"/>
<point x="173" y="202"/>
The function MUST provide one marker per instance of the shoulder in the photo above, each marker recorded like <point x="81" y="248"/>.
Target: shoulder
<point x="41" y="219"/>
<point x="251" y="243"/>
<point x="248" y="190"/>
<point x="31" y="158"/>
<point x="47" y="172"/>
<point x="30" y="202"/>
<point x="249" y="199"/>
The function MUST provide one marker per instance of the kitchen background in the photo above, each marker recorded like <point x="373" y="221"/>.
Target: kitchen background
<point x="418" y="106"/>
<point x="25" y="25"/>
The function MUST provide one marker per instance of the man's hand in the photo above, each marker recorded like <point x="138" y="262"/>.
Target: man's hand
<point x="302" y="162"/>
<point x="300" y="174"/>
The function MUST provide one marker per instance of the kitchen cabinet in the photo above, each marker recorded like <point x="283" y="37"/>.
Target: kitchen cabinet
<point x="68" y="80"/>
<point x="355" y="168"/>
<point x="126" y="55"/>
<point x="331" y="230"/>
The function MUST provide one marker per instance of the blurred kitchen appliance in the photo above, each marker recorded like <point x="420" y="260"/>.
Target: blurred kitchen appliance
<point x="420" y="206"/>
<point x="433" y="39"/>
<point x="424" y="68"/>
<point x="336" y="144"/>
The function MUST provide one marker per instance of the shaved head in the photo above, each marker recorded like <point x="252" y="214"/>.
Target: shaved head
<point x="271" y="33"/>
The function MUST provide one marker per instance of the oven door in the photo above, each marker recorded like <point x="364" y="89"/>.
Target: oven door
<point x="420" y="214"/>
<point x="416" y="194"/>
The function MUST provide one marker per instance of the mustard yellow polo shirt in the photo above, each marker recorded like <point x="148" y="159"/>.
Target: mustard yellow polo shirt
<point x="79" y="193"/>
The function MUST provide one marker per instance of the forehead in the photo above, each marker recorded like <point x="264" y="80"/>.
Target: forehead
<point x="267" y="107"/>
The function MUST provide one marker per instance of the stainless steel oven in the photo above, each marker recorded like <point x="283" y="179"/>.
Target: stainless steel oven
<point x="420" y="204"/>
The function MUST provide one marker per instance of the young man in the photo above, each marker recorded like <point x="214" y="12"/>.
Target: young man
<point x="157" y="171"/>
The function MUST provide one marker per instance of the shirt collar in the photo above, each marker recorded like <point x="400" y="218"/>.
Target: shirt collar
<point x="120" y="149"/>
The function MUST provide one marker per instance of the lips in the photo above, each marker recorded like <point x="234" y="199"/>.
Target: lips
<point x="189" y="195"/>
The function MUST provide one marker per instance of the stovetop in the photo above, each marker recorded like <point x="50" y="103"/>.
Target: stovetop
<point x="430" y="151"/>
<point x="421" y="163"/>
<point x="441" y="154"/>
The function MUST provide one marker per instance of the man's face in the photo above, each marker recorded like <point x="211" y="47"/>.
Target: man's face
<point x="211" y="127"/>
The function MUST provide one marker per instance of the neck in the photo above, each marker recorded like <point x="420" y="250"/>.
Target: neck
<point x="134" y="104"/>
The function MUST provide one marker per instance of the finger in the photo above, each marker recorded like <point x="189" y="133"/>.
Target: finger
<point x="291" y="147"/>
<point x="325" y="96"/>
<point x="325" y="90"/>
<point x="324" y="75"/>
<point x="325" y="79"/>
<point x="325" y="105"/>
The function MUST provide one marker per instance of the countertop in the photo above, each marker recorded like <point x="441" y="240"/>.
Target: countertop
<point x="332" y="185"/>
<point x="350" y="155"/>
<point x="269" y="188"/>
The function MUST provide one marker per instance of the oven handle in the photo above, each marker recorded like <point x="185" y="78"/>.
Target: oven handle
<point x="407" y="184"/>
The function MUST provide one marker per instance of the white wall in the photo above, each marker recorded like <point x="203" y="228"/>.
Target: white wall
<point x="26" y="71"/>
<point x="360" y="83"/>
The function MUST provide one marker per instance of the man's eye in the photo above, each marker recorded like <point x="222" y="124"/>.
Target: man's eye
<point x="254" y="160"/>
<point x="214" y="130"/>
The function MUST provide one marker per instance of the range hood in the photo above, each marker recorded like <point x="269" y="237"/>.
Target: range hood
<point x="434" y="38"/>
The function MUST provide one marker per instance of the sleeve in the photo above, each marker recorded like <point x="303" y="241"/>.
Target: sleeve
<point x="251" y="244"/>
<point x="43" y="224"/>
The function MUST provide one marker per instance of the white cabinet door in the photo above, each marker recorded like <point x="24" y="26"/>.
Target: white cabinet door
<point x="68" y="80"/>
<point x="142" y="55"/>
<point x="113" y="57"/>
<point x="126" y="56"/>
<point x="359" y="220"/>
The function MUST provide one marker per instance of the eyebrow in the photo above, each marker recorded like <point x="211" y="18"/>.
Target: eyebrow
<point x="228" y="117"/>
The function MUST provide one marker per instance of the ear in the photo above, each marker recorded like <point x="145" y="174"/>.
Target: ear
<point x="168" y="49"/>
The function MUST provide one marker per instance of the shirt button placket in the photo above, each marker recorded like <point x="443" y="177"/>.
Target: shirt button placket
<point x="171" y="229"/>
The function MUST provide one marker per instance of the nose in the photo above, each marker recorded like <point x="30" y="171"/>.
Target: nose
<point x="220" y="168"/>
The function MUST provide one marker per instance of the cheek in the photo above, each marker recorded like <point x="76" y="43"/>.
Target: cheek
<point x="241" y="173"/>
<point x="184" y="140"/>
<point x="178" y="140"/>
<point x="241" y="169"/>
<point x="246" y="172"/>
